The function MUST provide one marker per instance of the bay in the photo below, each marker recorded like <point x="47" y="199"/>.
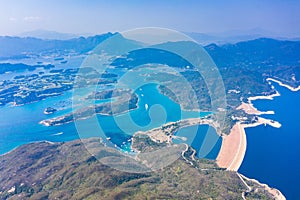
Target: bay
<point x="20" y="125"/>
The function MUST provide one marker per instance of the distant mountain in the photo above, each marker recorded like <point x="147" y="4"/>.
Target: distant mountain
<point x="48" y="35"/>
<point x="253" y="31"/>
<point x="17" y="47"/>
<point x="24" y="47"/>
<point x="220" y="39"/>
<point x="263" y="55"/>
<point x="258" y="59"/>
<point x="256" y="54"/>
<point x="227" y="37"/>
<point x="234" y="36"/>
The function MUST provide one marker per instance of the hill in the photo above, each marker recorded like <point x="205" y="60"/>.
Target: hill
<point x="67" y="171"/>
<point x="22" y="47"/>
<point x="268" y="57"/>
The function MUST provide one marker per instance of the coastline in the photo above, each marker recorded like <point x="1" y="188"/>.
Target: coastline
<point x="250" y="109"/>
<point x="165" y="132"/>
<point x="269" y="97"/>
<point x="237" y="159"/>
<point x="284" y="85"/>
<point x="275" y="192"/>
<point x="234" y="145"/>
<point x="232" y="162"/>
<point x="48" y="122"/>
<point x="46" y="141"/>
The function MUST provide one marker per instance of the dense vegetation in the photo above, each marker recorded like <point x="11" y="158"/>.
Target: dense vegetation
<point x="67" y="171"/>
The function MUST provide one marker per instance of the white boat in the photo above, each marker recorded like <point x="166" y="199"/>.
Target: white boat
<point x="146" y="106"/>
<point x="60" y="133"/>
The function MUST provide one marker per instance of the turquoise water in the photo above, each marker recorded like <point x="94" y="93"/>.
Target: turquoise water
<point x="20" y="125"/>
<point x="272" y="154"/>
<point x="203" y="138"/>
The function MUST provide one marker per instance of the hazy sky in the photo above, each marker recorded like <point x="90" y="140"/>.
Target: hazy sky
<point x="92" y="16"/>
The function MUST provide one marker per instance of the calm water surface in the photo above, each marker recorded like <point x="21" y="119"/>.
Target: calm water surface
<point x="272" y="154"/>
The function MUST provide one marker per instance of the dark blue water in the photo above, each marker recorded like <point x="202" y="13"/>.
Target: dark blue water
<point x="272" y="154"/>
<point x="204" y="139"/>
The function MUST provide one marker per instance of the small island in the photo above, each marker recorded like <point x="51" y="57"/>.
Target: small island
<point x="49" y="110"/>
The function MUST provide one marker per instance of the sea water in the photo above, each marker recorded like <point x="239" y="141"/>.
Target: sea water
<point x="20" y="125"/>
<point x="272" y="154"/>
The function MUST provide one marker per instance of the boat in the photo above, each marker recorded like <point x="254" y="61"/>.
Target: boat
<point x="60" y="133"/>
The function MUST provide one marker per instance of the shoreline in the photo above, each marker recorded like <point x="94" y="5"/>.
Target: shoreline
<point x="250" y="109"/>
<point x="234" y="145"/>
<point x="46" y="141"/>
<point x="284" y="85"/>
<point x="275" y="192"/>
<point x="232" y="154"/>
<point x="165" y="132"/>
<point x="268" y="97"/>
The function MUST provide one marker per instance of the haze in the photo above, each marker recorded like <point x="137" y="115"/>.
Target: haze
<point x="74" y="16"/>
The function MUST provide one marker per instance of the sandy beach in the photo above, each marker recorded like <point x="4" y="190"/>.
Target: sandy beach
<point x="250" y="109"/>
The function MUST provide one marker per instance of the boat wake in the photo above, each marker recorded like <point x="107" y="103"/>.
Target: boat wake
<point x="60" y="133"/>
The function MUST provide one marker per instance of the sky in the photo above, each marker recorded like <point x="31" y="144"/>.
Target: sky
<point x="281" y="17"/>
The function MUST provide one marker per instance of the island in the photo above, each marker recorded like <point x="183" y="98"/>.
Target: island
<point x="26" y="89"/>
<point x="53" y="170"/>
<point x="123" y="103"/>
<point x="49" y="110"/>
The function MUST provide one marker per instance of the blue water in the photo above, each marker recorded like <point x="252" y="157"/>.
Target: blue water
<point x="272" y="154"/>
<point x="203" y="138"/>
<point x="20" y="125"/>
<point x="73" y="62"/>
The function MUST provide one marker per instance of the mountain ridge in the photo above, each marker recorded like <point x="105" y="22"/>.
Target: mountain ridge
<point x="67" y="171"/>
